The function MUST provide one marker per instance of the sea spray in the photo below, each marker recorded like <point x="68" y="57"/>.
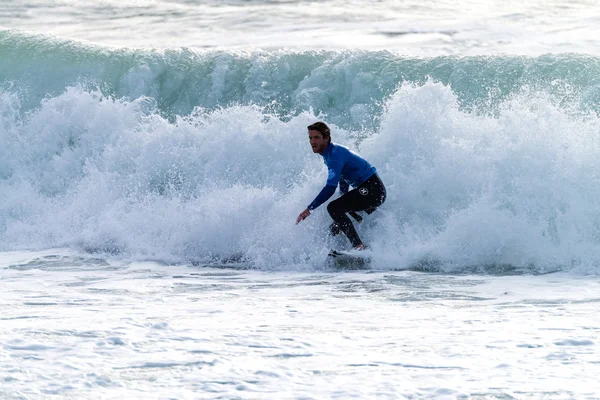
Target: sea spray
<point x="465" y="189"/>
<point x="201" y="156"/>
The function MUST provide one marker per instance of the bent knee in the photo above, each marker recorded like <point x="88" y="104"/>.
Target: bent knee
<point x="332" y="208"/>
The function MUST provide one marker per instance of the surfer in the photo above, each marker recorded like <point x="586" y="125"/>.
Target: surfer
<point x="346" y="168"/>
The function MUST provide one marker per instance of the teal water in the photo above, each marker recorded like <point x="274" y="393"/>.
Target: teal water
<point x="348" y="87"/>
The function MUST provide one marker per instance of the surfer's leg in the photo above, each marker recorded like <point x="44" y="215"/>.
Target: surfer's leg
<point x="337" y="210"/>
<point x="356" y="200"/>
<point x="351" y="201"/>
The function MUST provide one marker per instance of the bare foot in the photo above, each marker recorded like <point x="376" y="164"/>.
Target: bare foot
<point x="360" y="247"/>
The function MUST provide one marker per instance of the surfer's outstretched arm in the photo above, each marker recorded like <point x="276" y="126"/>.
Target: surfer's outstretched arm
<point x="303" y="215"/>
<point x="321" y="198"/>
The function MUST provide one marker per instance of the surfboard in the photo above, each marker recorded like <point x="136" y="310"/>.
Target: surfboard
<point x="352" y="259"/>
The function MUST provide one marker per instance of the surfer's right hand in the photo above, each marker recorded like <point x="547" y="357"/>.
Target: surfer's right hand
<point x="303" y="216"/>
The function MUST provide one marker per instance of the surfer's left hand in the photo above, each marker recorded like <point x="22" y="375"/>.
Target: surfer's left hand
<point x="303" y="216"/>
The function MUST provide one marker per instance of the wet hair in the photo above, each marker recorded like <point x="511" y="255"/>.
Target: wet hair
<point x="322" y="128"/>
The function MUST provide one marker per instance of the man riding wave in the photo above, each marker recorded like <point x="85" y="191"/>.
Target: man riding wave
<point x="346" y="168"/>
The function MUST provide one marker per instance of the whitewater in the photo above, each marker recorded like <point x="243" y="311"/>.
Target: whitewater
<point x="154" y="158"/>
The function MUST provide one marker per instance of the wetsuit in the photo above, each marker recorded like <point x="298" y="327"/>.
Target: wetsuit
<point x="347" y="168"/>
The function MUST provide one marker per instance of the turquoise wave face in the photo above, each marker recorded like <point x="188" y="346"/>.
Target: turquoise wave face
<point x="349" y="88"/>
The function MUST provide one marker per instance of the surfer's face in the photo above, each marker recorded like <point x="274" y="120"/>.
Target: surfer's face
<point x="317" y="141"/>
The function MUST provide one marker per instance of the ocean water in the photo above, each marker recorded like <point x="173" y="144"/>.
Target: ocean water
<point x="154" y="159"/>
<point x="415" y="27"/>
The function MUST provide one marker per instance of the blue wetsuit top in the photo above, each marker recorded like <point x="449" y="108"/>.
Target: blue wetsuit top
<point x="346" y="168"/>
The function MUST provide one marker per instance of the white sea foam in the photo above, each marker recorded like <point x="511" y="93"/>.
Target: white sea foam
<point x="464" y="189"/>
<point x="74" y="326"/>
